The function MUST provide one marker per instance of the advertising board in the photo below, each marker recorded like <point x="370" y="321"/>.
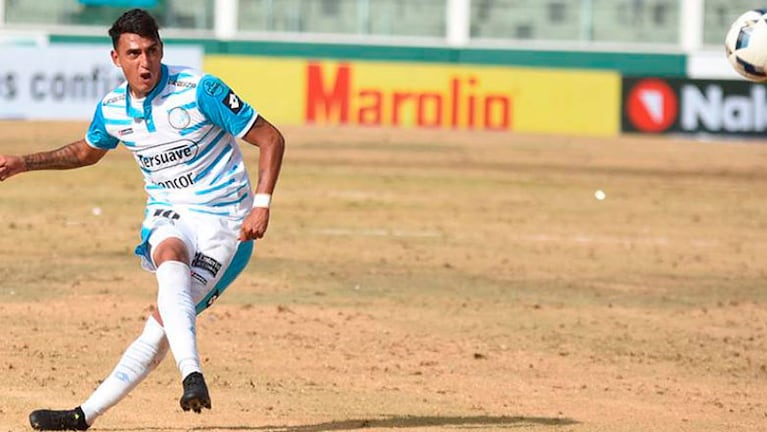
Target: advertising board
<point x="689" y="106"/>
<point x="65" y="82"/>
<point x="400" y="94"/>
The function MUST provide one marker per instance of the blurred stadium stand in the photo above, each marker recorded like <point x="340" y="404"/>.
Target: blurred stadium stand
<point x="576" y="22"/>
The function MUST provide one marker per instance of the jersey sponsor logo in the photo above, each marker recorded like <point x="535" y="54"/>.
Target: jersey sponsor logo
<point x="213" y="87"/>
<point x="115" y="99"/>
<point x="179" y="118"/>
<point x="232" y="102"/>
<point x="185" y="84"/>
<point x="180" y="182"/>
<point x="155" y="159"/>
<point x="652" y="105"/>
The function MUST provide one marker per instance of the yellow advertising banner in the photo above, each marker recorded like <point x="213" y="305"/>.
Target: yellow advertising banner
<point x="303" y="91"/>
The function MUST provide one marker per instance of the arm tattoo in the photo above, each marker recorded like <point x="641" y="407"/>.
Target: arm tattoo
<point x="62" y="158"/>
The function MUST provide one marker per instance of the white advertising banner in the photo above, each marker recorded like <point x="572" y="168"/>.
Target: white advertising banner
<point x="710" y="65"/>
<point x="65" y="82"/>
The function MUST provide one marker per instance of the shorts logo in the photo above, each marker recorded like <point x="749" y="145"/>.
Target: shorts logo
<point x="169" y="214"/>
<point x="212" y="299"/>
<point x="199" y="278"/>
<point x="207" y="263"/>
<point x="233" y="102"/>
<point x="179" y="118"/>
<point x="652" y="105"/>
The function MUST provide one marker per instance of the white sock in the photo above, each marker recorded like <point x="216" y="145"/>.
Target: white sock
<point x="176" y="307"/>
<point x="141" y="357"/>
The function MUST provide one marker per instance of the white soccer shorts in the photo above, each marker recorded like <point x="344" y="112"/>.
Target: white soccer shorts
<point x="217" y="255"/>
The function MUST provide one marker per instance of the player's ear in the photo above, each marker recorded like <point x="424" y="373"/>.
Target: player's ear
<point x="115" y="58"/>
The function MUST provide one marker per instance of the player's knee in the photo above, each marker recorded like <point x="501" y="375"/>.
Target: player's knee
<point x="168" y="242"/>
<point x="170" y="249"/>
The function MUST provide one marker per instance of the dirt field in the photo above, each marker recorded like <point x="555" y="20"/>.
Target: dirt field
<point x="416" y="281"/>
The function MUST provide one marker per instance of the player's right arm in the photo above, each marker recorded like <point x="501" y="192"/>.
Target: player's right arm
<point x="83" y="152"/>
<point x="75" y="155"/>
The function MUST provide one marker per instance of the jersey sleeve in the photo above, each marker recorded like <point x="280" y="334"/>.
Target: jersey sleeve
<point x="221" y="105"/>
<point x="97" y="135"/>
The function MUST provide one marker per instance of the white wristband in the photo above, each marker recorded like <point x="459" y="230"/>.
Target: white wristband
<point x="262" y="200"/>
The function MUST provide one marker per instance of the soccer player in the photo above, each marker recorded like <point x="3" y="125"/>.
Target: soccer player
<point x="202" y="213"/>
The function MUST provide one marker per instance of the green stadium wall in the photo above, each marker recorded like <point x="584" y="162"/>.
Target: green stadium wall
<point x="629" y="64"/>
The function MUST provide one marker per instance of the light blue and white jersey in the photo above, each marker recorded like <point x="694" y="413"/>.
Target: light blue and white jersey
<point x="182" y="136"/>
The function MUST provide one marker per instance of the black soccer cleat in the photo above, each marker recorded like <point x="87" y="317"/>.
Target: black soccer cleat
<point x="57" y="420"/>
<point x="195" y="395"/>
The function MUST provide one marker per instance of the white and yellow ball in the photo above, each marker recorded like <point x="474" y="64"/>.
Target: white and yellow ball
<point x="746" y="45"/>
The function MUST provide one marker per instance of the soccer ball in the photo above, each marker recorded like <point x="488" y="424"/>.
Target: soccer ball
<point x="746" y="45"/>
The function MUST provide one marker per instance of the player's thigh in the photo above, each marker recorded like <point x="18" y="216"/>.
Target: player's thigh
<point x="218" y="259"/>
<point x="206" y="293"/>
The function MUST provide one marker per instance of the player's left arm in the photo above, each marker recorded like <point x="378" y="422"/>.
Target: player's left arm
<point x="221" y="105"/>
<point x="271" y="146"/>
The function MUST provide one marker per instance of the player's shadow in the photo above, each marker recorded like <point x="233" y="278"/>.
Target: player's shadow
<point x="474" y="422"/>
<point x="401" y="422"/>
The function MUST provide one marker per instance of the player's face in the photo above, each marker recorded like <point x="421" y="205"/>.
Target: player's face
<point x="140" y="60"/>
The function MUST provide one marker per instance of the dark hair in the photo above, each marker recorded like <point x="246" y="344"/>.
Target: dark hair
<point x="136" y="21"/>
